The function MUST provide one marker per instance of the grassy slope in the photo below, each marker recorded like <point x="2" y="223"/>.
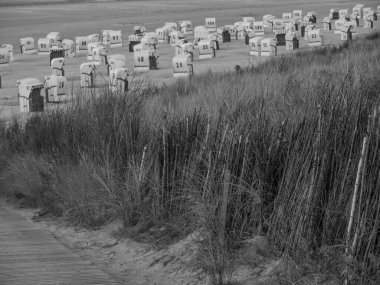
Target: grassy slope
<point x="272" y="151"/>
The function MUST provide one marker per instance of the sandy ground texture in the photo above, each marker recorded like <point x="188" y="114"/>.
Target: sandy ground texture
<point x="130" y="262"/>
<point x="139" y="263"/>
<point x="127" y="261"/>
<point x="81" y="18"/>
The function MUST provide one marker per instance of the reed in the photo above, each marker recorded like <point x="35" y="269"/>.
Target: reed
<point x="287" y="133"/>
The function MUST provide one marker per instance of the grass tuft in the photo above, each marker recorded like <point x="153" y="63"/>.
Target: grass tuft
<point x="272" y="151"/>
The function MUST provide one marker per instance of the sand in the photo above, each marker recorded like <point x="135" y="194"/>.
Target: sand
<point x="81" y="19"/>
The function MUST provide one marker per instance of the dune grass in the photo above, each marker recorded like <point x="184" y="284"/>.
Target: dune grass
<point x="273" y="151"/>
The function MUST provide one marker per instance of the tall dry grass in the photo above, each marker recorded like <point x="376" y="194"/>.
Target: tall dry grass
<point x="287" y="134"/>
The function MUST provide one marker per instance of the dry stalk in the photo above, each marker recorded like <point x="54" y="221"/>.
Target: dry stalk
<point x="205" y="184"/>
<point x="241" y="178"/>
<point x="360" y="223"/>
<point x="174" y="174"/>
<point x="223" y="212"/>
<point x="163" y="167"/>
<point x="142" y="165"/>
<point x="222" y="142"/>
<point x="362" y="162"/>
<point x="357" y="185"/>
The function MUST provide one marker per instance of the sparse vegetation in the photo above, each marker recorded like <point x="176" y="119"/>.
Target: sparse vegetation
<point x="272" y="151"/>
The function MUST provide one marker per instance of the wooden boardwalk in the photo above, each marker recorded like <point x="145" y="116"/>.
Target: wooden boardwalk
<point x="31" y="256"/>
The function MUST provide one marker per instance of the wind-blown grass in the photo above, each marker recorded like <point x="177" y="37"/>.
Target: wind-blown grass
<point x="288" y="133"/>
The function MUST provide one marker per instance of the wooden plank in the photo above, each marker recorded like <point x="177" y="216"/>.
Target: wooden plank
<point x="29" y="255"/>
